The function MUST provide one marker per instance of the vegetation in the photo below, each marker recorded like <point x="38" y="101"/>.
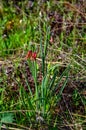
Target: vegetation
<point x="43" y="65"/>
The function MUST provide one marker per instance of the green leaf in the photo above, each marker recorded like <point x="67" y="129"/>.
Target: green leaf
<point x="7" y="117"/>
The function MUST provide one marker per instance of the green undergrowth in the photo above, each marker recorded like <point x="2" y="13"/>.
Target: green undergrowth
<point x="49" y="92"/>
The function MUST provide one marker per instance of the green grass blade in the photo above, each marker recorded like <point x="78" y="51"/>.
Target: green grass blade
<point x="27" y="83"/>
<point x="60" y="79"/>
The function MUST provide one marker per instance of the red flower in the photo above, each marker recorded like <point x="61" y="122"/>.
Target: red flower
<point x="29" y="54"/>
<point x="34" y="55"/>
